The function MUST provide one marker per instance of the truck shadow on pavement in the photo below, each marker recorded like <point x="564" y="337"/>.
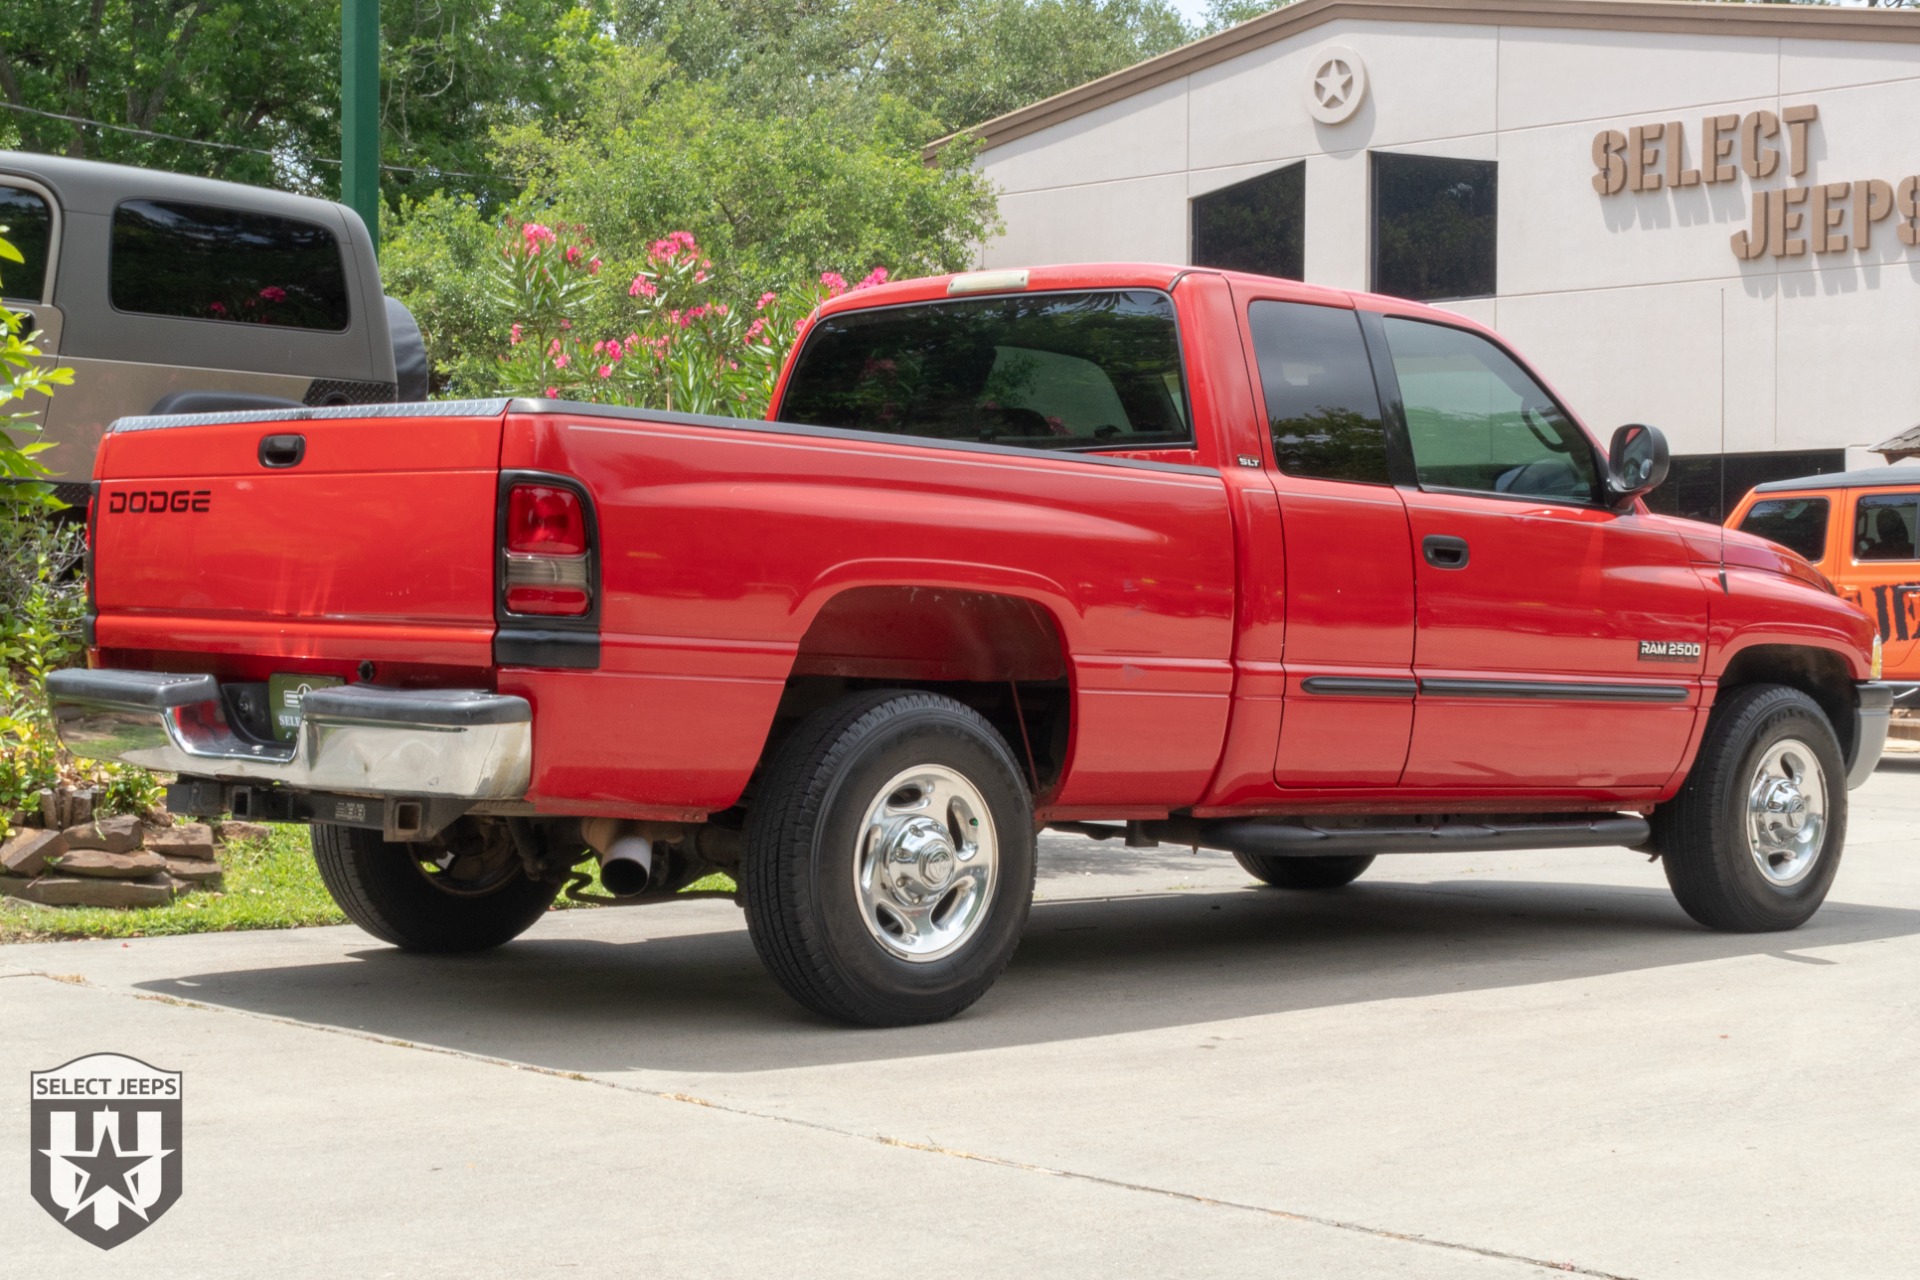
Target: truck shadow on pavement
<point x="637" y="997"/>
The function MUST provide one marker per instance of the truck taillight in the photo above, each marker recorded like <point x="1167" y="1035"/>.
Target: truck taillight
<point x="545" y="520"/>
<point x="548" y="570"/>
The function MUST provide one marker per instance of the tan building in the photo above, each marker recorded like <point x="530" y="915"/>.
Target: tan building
<point x="1680" y="213"/>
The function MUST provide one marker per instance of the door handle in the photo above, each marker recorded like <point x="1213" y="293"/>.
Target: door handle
<point x="1444" y="552"/>
<point x="282" y="451"/>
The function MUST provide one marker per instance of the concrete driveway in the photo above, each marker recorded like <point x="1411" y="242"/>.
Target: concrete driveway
<point x="1462" y="1066"/>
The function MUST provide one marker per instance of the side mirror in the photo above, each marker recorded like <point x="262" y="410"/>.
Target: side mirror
<point x="1637" y="461"/>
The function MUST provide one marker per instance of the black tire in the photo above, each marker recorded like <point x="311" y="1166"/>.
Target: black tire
<point x="1702" y="833"/>
<point x="384" y="889"/>
<point x="1331" y="872"/>
<point x="804" y="848"/>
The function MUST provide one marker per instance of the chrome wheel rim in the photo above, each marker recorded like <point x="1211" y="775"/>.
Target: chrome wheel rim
<point x="924" y="870"/>
<point x="1787" y="812"/>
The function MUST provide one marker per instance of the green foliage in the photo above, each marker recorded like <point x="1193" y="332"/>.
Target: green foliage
<point x="779" y="200"/>
<point x="22" y="373"/>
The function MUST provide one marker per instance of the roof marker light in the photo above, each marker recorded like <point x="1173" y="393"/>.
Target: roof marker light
<point x="987" y="282"/>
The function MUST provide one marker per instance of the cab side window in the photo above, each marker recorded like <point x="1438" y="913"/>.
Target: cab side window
<point x="29" y="229"/>
<point x="1478" y="422"/>
<point x="1884" y="525"/>
<point x="1322" y="405"/>
<point x="1798" y="524"/>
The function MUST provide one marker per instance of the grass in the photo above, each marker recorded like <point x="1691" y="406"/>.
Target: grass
<point x="269" y="884"/>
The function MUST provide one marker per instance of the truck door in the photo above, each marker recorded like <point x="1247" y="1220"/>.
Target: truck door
<point x="1348" y="706"/>
<point x="1559" y="639"/>
<point x="1885" y="574"/>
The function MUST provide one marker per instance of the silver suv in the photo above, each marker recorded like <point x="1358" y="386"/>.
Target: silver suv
<point x="171" y="294"/>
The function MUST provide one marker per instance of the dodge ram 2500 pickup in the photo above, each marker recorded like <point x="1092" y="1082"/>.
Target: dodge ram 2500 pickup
<point x="1148" y="552"/>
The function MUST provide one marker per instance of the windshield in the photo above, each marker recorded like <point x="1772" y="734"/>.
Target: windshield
<point x="1098" y="370"/>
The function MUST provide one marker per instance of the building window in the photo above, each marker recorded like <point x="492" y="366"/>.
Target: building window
<point x="1434" y="226"/>
<point x="210" y="263"/>
<point x="1258" y="225"/>
<point x="1695" y="488"/>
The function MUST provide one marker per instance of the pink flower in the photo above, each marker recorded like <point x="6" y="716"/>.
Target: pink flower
<point x="513" y="336"/>
<point x="641" y="288"/>
<point x="699" y="277"/>
<point x="218" y="308"/>
<point x="613" y="349"/>
<point x="554" y="348"/>
<point x="553" y="393"/>
<point x="536" y="237"/>
<point x="670" y="248"/>
<point x="605" y="371"/>
<point x="598" y="347"/>
<point x="572" y="254"/>
<point x="566" y="324"/>
<point x="274" y="293"/>
<point x="720" y="308"/>
<point x="593" y="267"/>
<point x="835" y="282"/>
<point x="755" y="329"/>
<point x="560" y="362"/>
<point x="767" y="300"/>
<point x="875" y="277"/>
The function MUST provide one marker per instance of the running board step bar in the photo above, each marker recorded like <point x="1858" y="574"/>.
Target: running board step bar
<point x="1301" y="837"/>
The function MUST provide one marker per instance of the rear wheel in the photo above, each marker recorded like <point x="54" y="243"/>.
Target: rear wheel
<point x="1752" y="842"/>
<point x="889" y="859"/>
<point x="465" y="891"/>
<point x="1305" y="873"/>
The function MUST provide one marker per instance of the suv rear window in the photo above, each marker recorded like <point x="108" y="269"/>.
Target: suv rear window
<point x="209" y="263"/>
<point x="1798" y="524"/>
<point x="28" y="227"/>
<point x="1043" y="371"/>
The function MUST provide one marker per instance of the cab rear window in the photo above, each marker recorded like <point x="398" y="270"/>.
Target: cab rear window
<point x="234" y="265"/>
<point x="1095" y="370"/>
<point x="1798" y="524"/>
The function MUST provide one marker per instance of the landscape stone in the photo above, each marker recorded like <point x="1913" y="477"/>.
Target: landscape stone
<point x="183" y="840"/>
<point x="27" y="853"/>
<point x="112" y="866"/>
<point x="158" y="817"/>
<point x="49" y="809"/>
<point x="83" y="891"/>
<point x="118" y="834"/>
<point x="80" y="806"/>
<point x="238" y="830"/>
<point x="193" y="871"/>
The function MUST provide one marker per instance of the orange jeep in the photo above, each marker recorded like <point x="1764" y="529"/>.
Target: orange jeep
<point x="1859" y="528"/>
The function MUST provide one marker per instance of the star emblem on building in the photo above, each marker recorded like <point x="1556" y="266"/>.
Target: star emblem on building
<point x="1333" y="82"/>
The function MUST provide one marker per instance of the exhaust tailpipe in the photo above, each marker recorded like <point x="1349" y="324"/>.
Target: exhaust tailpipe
<point x="626" y="854"/>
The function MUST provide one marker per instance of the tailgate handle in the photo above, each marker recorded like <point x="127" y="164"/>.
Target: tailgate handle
<point x="282" y="451"/>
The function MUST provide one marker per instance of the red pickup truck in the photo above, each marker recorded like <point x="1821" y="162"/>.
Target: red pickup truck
<point x="1146" y="552"/>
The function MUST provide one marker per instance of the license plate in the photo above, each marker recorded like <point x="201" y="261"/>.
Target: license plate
<point x="283" y="697"/>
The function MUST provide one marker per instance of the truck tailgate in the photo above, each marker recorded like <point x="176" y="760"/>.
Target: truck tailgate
<point x="326" y="534"/>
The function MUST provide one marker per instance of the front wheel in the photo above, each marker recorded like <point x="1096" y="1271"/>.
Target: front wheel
<point x="889" y="859"/>
<point x="1752" y="842"/>
<point x="464" y="891"/>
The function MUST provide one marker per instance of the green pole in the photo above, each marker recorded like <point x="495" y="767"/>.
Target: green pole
<point x="360" y="111"/>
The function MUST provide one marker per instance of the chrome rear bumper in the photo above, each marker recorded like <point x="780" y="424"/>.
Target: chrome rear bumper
<point x="357" y="739"/>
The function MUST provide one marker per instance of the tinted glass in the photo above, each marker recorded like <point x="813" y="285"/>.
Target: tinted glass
<point x="1318" y="383"/>
<point x="226" y="264"/>
<point x="1884" y="525"/>
<point x="1434" y="229"/>
<point x="1477" y="421"/>
<point x="1048" y="371"/>
<point x="1798" y="524"/>
<point x="29" y="228"/>
<point x="1258" y="225"/>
